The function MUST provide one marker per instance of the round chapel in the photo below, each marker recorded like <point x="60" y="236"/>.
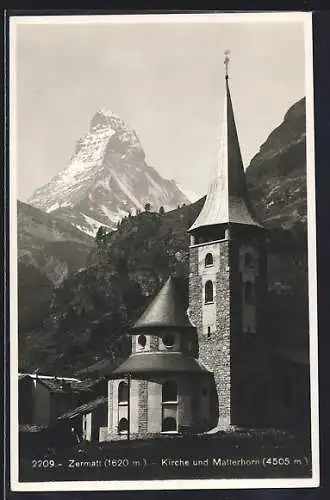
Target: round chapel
<point x="162" y="388"/>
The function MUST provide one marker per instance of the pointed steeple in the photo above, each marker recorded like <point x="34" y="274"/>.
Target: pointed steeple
<point x="227" y="199"/>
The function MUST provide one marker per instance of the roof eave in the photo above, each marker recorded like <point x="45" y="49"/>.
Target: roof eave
<point x="158" y="326"/>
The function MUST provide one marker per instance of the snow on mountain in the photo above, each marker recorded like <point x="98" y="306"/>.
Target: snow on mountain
<point x="106" y="179"/>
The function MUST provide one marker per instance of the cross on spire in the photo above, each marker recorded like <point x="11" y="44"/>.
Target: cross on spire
<point x="226" y="61"/>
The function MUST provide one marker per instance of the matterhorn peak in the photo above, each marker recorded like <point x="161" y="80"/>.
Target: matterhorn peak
<point x="104" y="118"/>
<point x="107" y="178"/>
<point x="104" y="121"/>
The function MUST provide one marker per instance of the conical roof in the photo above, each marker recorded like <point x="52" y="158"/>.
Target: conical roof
<point x="168" y="308"/>
<point x="227" y="200"/>
<point x="174" y="362"/>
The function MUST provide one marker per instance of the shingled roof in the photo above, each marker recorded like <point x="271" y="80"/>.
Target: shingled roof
<point x="227" y="200"/>
<point x="160" y="362"/>
<point x="168" y="308"/>
<point x="60" y="386"/>
<point x="84" y="408"/>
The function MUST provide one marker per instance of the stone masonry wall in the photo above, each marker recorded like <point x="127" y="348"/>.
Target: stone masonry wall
<point x="214" y="351"/>
<point x="220" y="352"/>
<point x="154" y="340"/>
<point x="195" y="291"/>
<point x="110" y="404"/>
<point x="143" y="407"/>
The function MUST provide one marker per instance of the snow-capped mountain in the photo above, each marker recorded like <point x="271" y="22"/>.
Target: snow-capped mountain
<point x="106" y="179"/>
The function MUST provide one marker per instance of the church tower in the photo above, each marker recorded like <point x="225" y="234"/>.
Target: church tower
<point x="227" y="282"/>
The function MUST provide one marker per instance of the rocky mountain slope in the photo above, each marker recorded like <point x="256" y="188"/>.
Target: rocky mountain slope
<point x="48" y="250"/>
<point x="107" y="178"/>
<point x="51" y="245"/>
<point x="92" y="310"/>
<point x="277" y="173"/>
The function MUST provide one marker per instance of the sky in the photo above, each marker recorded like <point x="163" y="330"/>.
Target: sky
<point x="164" y="79"/>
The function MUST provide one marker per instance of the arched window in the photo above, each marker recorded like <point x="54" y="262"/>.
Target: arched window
<point x="208" y="292"/>
<point x="208" y="260"/>
<point x="169" y="406"/>
<point x="142" y="340"/>
<point x="168" y="340"/>
<point x="169" y="391"/>
<point x="123" y="392"/>
<point x="249" y="292"/>
<point x="169" y="424"/>
<point x="123" y="426"/>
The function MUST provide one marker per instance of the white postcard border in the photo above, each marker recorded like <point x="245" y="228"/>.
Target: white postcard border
<point x="281" y="17"/>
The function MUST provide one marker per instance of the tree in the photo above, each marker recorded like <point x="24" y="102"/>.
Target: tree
<point x="147" y="207"/>
<point x="161" y="210"/>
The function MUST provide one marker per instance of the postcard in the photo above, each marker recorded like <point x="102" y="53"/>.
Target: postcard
<point x="163" y="305"/>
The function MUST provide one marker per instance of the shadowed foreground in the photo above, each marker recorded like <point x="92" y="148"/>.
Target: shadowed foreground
<point x="238" y="454"/>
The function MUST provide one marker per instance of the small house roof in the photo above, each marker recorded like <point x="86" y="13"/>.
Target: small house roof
<point x="59" y="386"/>
<point x="167" y="309"/>
<point x="84" y="408"/>
<point x="160" y="362"/>
<point x="32" y="428"/>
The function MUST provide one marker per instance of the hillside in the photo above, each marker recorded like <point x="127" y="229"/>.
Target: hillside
<point x="51" y="245"/>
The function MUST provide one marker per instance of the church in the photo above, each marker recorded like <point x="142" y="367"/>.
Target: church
<point x="208" y="366"/>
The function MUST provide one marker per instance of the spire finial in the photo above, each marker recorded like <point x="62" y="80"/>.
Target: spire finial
<point x="226" y="62"/>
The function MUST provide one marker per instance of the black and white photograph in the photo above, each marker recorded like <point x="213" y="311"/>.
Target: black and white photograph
<point x="163" y="287"/>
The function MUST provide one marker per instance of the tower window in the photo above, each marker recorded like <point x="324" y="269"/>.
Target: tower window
<point x="249" y="292"/>
<point x="209" y="331"/>
<point x="123" y="393"/>
<point x="169" y="424"/>
<point x="208" y="260"/>
<point x="169" y="406"/>
<point x="169" y="392"/>
<point x="168" y="340"/>
<point x="142" y="340"/>
<point x="123" y="426"/>
<point x="208" y="292"/>
<point x="248" y="261"/>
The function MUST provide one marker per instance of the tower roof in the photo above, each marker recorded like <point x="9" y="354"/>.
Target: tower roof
<point x="227" y="199"/>
<point x="160" y="362"/>
<point x="168" y="308"/>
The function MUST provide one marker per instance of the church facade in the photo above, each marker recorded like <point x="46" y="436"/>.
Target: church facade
<point x="205" y="365"/>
